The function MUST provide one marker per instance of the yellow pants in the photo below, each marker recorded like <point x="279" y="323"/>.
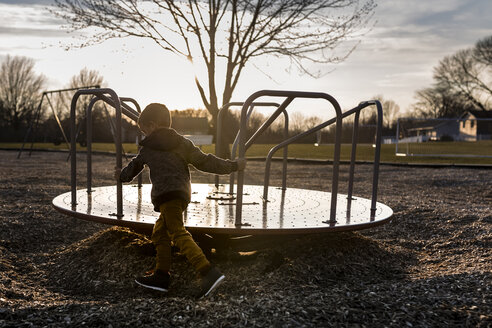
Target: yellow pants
<point x="169" y="227"/>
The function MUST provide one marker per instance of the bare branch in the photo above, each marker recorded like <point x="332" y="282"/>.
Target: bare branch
<point x="306" y="31"/>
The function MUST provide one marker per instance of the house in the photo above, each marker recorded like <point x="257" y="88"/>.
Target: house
<point x="475" y="125"/>
<point x="433" y="129"/>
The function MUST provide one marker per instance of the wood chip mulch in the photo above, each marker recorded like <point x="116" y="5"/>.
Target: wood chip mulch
<point x="431" y="266"/>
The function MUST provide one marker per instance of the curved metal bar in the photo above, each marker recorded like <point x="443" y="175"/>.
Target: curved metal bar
<point x="133" y="101"/>
<point x="89" y="136"/>
<point x="116" y="104"/>
<point x="218" y="142"/>
<point x="125" y="109"/>
<point x="139" y="135"/>
<point x="261" y="129"/>
<point x="290" y="95"/>
<point x="284" y="144"/>
<point x="377" y="155"/>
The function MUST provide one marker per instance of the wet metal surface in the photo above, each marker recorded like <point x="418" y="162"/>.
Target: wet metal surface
<point x="293" y="211"/>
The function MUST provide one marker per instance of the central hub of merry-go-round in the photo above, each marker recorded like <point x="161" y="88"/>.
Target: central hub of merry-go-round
<point x="233" y="209"/>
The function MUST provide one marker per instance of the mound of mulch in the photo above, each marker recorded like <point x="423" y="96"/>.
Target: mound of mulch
<point x="430" y="267"/>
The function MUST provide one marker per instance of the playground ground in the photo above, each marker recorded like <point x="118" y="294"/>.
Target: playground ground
<point x="430" y="267"/>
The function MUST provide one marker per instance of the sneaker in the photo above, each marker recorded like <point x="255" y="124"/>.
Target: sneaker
<point x="157" y="280"/>
<point x="210" y="281"/>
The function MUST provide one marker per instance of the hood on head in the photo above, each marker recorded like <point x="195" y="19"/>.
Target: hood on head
<point x="164" y="139"/>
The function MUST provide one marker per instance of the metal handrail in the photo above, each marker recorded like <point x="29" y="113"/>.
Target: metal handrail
<point x="218" y="143"/>
<point x="377" y="153"/>
<point x="264" y="126"/>
<point x="89" y="133"/>
<point x="120" y="108"/>
<point x="290" y="96"/>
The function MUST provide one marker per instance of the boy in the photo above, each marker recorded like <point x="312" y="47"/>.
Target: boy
<point x="167" y="154"/>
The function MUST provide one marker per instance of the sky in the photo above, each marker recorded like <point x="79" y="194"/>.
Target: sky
<point x="394" y="59"/>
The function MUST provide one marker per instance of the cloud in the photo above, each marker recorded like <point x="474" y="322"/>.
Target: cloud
<point x="27" y="2"/>
<point x="26" y="21"/>
<point x="19" y="15"/>
<point x="452" y="24"/>
<point x="36" y="32"/>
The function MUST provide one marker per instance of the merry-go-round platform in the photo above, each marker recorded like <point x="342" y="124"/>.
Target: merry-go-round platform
<point x="237" y="210"/>
<point x="212" y="210"/>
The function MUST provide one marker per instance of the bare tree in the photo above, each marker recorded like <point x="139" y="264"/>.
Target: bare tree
<point x="190" y="112"/>
<point x="483" y="51"/>
<point x="463" y="81"/>
<point x="391" y="111"/>
<point x="429" y="103"/>
<point x="20" y="90"/>
<point x="85" y="78"/>
<point x="298" y="122"/>
<point x="439" y="101"/>
<point x="464" y="76"/>
<point x="226" y="33"/>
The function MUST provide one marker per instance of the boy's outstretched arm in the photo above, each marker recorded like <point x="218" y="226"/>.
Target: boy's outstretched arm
<point x="211" y="163"/>
<point x="131" y="170"/>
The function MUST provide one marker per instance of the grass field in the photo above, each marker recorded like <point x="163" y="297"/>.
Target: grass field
<point x="365" y="152"/>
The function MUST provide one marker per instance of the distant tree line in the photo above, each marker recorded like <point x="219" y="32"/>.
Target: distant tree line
<point x="299" y="123"/>
<point x="21" y="90"/>
<point x="462" y="82"/>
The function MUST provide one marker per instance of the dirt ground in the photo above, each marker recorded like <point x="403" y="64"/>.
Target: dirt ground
<point x="431" y="266"/>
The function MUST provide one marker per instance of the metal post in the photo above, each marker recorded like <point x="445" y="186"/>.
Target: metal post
<point x="377" y="155"/>
<point x="139" y="136"/>
<point x="218" y="142"/>
<point x="115" y="102"/>
<point x="88" y="115"/>
<point x="261" y="129"/>
<point x="286" y="151"/>
<point x="355" y="137"/>
<point x="336" y="163"/>
<point x="218" y="139"/>
<point x="73" y="151"/>
<point x="234" y="149"/>
<point x="397" y="135"/>
<point x="119" y="185"/>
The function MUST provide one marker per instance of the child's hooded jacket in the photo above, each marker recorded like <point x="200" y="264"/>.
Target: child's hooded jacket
<point x="167" y="154"/>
